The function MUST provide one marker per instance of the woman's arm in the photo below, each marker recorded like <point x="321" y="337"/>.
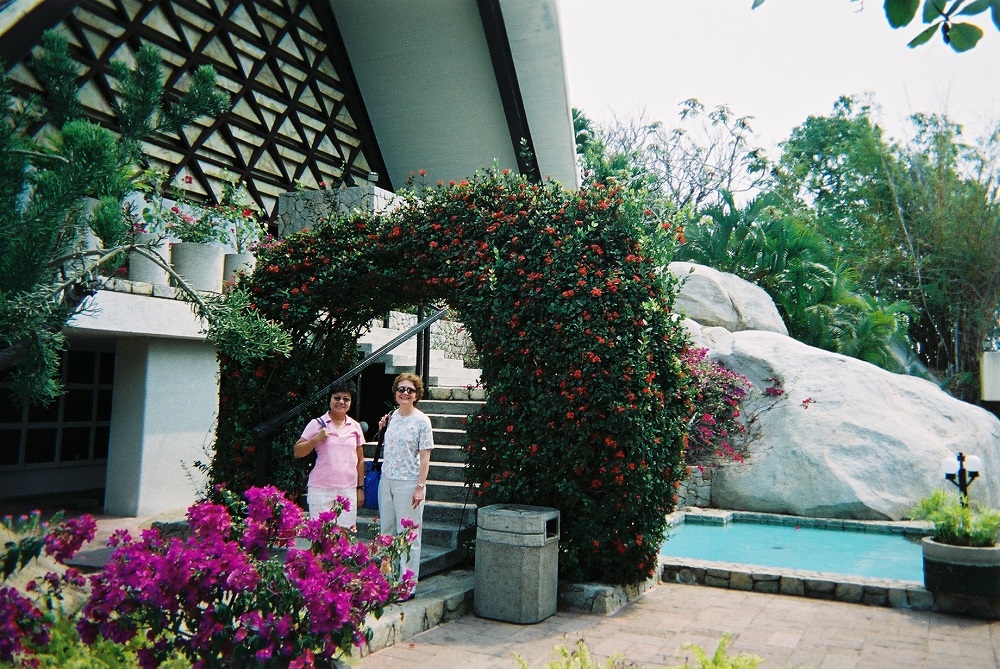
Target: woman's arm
<point x="420" y="492"/>
<point x="304" y="447"/>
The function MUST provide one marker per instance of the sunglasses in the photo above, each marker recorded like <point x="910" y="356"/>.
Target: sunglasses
<point x="403" y="390"/>
<point x="341" y="400"/>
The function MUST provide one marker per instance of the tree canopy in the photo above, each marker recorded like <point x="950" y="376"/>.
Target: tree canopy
<point x="941" y="16"/>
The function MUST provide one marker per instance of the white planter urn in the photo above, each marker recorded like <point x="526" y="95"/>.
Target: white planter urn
<point x="141" y="268"/>
<point x="237" y="262"/>
<point x="200" y="265"/>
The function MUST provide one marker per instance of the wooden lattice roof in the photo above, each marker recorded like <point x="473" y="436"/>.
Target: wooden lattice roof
<point x="297" y="116"/>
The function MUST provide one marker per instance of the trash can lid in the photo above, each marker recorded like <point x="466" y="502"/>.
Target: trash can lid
<point x="519" y="519"/>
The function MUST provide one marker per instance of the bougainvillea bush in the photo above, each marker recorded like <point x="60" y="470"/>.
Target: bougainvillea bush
<point x="226" y="597"/>
<point x="564" y="298"/>
<point x="717" y="430"/>
<point x="26" y="618"/>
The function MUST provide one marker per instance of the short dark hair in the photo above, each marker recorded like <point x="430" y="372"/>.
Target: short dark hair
<point x="344" y="387"/>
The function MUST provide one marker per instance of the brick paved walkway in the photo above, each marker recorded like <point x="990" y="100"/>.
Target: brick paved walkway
<point x="785" y="631"/>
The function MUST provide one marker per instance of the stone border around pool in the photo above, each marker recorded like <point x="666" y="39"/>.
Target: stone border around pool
<point x="818" y="585"/>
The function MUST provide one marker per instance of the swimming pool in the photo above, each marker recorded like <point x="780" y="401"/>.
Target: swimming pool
<point x="854" y="548"/>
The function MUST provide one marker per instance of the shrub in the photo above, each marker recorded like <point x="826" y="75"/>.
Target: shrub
<point x="226" y="597"/>
<point x="580" y="658"/>
<point x="717" y="430"/>
<point x="958" y="524"/>
<point x="566" y="303"/>
<point x="26" y="617"/>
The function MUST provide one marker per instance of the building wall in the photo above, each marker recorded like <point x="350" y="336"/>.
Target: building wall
<point x="163" y="421"/>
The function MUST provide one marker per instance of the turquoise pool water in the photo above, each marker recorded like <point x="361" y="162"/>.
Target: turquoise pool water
<point x="847" y="552"/>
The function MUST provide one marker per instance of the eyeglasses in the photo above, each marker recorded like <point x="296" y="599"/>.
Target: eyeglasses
<point x="403" y="390"/>
<point x="340" y="400"/>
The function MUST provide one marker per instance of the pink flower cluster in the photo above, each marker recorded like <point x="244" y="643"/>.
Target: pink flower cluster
<point x="22" y="622"/>
<point x="232" y="594"/>
<point x="65" y="539"/>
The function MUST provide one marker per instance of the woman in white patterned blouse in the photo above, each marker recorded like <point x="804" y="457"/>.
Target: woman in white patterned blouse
<point x="405" y="464"/>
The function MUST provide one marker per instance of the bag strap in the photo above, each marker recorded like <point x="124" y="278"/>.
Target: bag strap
<point x="378" y="448"/>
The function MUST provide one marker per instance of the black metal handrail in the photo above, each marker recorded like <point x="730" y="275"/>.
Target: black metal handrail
<point x="268" y="426"/>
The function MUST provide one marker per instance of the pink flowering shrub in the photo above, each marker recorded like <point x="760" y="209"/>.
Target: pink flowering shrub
<point x="235" y="594"/>
<point x="24" y="623"/>
<point x="717" y="429"/>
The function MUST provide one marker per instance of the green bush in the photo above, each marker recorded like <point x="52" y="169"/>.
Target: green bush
<point x="957" y="524"/>
<point x="565" y="300"/>
<point x="580" y="658"/>
<point x="65" y="650"/>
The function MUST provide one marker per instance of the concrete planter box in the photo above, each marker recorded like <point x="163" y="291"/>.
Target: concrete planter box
<point x="200" y="265"/>
<point x="237" y="262"/>
<point x="141" y="268"/>
<point x="961" y="570"/>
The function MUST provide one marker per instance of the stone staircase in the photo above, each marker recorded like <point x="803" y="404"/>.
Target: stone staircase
<point x="450" y="510"/>
<point x="444" y="371"/>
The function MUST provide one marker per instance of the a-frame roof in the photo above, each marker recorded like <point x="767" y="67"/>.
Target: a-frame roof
<point x="328" y="90"/>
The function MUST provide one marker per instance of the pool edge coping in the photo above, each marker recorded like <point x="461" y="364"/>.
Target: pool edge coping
<point x="797" y="582"/>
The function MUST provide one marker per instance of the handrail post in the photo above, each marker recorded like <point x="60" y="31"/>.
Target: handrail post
<point x="419" y="370"/>
<point x="425" y="356"/>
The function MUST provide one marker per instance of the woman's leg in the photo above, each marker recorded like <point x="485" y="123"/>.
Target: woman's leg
<point x="402" y="503"/>
<point x="386" y="512"/>
<point x="322" y="499"/>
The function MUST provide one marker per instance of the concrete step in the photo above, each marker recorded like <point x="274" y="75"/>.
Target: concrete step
<point x="448" y="407"/>
<point x="444" y="371"/>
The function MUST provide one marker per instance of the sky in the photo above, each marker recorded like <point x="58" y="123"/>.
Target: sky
<point x="780" y="63"/>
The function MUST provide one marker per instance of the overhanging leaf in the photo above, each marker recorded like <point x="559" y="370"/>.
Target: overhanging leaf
<point x="923" y="37"/>
<point x="995" y="10"/>
<point x="757" y="3"/>
<point x="976" y="7"/>
<point x="900" y="12"/>
<point x="964" y="36"/>
<point x="933" y="9"/>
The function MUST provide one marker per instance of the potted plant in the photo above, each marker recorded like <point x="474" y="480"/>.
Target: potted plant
<point x="240" y="219"/>
<point x="962" y="555"/>
<point x="198" y="252"/>
<point x="148" y="230"/>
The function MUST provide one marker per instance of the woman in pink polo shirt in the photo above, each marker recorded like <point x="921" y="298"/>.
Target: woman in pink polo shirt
<point x="340" y="462"/>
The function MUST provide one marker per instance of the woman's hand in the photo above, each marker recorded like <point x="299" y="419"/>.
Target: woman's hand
<point x="361" y="498"/>
<point x="418" y="495"/>
<point x="384" y="421"/>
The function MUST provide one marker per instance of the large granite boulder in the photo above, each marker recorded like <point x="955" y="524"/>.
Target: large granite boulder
<point x="846" y="439"/>
<point x="715" y="298"/>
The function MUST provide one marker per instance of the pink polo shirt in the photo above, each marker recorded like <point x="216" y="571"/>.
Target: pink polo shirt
<point x="337" y="455"/>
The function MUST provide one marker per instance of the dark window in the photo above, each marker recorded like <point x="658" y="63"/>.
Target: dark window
<point x="10" y="446"/>
<point x="104" y="405"/>
<point x="107" y="369"/>
<point x="44" y="414"/>
<point x="80" y="366"/>
<point x="102" y="438"/>
<point x="75" y="444"/>
<point x="74" y="427"/>
<point x="10" y="411"/>
<point x="40" y="445"/>
<point x="78" y="405"/>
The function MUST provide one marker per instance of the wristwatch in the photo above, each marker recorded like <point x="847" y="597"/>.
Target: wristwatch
<point x="421" y="485"/>
<point x="361" y="487"/>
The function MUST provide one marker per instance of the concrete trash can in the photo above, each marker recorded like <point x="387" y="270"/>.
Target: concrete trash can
<point x="517" y="563"/>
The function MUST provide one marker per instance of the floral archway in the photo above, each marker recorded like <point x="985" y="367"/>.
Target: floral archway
<point x="565" y="300"/>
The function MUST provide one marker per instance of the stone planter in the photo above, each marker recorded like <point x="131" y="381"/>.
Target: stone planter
<point x="961" y="570"/>
<point x="199" y="264"/>
<point x="141" y="268"/>
<point x="237" y="262"/>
